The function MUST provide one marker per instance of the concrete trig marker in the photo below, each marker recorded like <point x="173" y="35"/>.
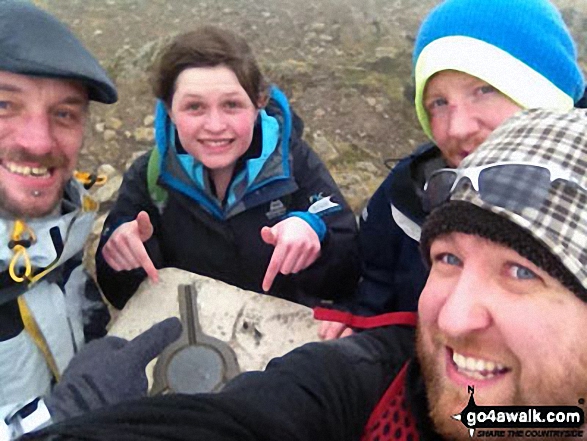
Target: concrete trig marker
<point x="196" y="362"/>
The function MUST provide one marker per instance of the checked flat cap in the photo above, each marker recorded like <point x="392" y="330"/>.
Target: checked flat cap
<point x="544" y="205"/>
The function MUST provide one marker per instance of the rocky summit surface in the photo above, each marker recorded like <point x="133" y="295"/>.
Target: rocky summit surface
<point x="345" y="64"/>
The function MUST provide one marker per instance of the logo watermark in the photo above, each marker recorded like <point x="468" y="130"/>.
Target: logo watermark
<point x="521" y="421"/>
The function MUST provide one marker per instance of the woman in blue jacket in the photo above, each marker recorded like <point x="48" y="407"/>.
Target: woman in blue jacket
<point x="239" y="196"/>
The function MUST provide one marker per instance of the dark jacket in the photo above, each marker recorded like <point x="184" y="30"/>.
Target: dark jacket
<point x="278" y="177"/>
<point x="322" y="391"/>
<point x="393" y="271"/>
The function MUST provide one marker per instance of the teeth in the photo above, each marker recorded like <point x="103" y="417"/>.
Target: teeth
<point x="216" y="142"/>
<point x="25" y="170"/>
<point x="476" y="367"/>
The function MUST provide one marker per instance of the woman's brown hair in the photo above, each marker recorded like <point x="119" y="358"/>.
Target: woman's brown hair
<point x="208" y="46"/>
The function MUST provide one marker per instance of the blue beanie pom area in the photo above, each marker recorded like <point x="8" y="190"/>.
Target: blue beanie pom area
<point x="521" y="47"/>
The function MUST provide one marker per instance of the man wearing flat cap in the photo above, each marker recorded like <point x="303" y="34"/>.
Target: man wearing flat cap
<point x="49" y="307"/>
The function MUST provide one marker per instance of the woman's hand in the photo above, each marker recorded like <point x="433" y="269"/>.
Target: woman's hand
<point x="125" y="249"/>
<point x="297" y="246"/>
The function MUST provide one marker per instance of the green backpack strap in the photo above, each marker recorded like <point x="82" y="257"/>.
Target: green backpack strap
<point x="157" y="193"/>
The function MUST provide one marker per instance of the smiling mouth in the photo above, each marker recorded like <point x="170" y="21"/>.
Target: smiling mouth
<point x="25" y="170"/>
<point x="217" y="142"/>
<point x="477" y="368"/>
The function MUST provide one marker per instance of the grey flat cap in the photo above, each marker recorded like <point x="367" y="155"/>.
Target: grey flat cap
<point x="33" y="42"/>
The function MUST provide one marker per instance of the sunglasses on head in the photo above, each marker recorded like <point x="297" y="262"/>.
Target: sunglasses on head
<point x="510" y="185"/>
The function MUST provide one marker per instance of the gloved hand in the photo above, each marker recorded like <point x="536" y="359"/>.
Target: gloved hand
<point x="109" y="370"/>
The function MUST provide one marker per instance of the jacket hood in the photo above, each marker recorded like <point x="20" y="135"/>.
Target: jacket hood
<point x="182" y="172"/>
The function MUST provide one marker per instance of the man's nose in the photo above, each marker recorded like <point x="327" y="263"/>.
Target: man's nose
<point x="462" y="124"/>
<point x="465" y="309"/>
<point x="36" y="134"/>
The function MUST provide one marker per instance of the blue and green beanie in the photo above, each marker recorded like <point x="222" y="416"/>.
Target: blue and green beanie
<point x="521" y="47"/>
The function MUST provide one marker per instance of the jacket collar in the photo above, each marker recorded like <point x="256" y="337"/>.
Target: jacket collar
<point x="183" y="173"/>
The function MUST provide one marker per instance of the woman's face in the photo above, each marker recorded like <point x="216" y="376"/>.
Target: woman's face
<point x="214" y="116"/>
<point x="463" y="111"/>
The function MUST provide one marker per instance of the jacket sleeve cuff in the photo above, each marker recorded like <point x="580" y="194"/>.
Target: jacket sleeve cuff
<point x="313" y="220"/>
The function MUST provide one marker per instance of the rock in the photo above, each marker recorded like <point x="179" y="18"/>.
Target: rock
<point x="134" y="157"/>
<point x="108" y="190"/>
<point x="98" y="225"/>
<point x="114" y="123"/>
<point x="256" y="326"/>
<point x="386" y="51"/>
<point x="317" y="26"/>
<point x="109" y="135"/>
<point x="108" y="170"/>
<point x="367" y="166"/>
<point x="99" y="127"/>
<point x="149" y="120"/>
<point x="92" y="245"/>
<point x="144" y="134"/>
<point x="371" y="101"/>
<point x="319" y="113"/>
<point x="324" y="148"/>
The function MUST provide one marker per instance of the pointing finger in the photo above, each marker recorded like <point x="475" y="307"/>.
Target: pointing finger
<point x="273" y="268"/>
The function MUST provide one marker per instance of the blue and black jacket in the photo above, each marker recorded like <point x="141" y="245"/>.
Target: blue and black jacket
<point x="279" y="176"/>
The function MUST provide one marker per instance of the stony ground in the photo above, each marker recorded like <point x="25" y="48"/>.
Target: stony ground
<point x="345" y="64"/>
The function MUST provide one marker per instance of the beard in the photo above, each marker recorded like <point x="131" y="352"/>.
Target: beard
<point x="24" y="204"/>
<point x="554" y="382"/>
<point x="41" y="206"/>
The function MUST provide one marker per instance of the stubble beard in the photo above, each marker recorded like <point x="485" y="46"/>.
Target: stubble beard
<point x="36" y="203"/>
<point x="549" y="388"/>
<point x="34" y="209"/>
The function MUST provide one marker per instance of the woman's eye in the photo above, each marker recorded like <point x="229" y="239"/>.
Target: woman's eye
<point x="232" y="104"/>
<point x="521" y="272"/>
<point x="194" y="106"/>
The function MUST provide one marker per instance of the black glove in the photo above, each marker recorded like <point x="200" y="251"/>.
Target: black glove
<point x="109" y="370"/>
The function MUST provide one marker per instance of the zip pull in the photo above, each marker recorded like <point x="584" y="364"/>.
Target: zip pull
<point x="89" y="179"/>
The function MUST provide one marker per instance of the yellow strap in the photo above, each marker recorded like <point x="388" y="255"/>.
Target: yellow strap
<point x="19" y="251"/>
<point x="30" y="325"/>
<point x="21" y="233"/>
